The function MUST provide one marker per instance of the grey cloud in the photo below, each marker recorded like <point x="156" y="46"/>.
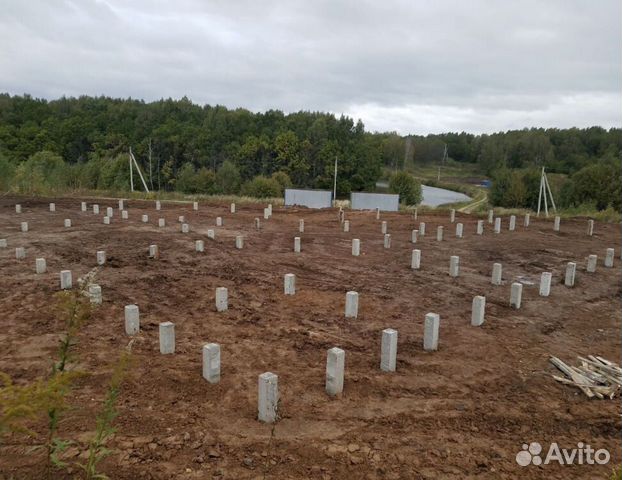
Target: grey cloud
<point x="418" y="67"/>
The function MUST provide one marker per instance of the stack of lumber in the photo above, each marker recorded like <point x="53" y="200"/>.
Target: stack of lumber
<point x="595" y="376"/>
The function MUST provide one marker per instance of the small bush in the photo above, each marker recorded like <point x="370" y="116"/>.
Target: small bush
<point x="105" y="429"/>
<point x="22" y="403"/>
<point x="283" y="180"/>
<point x="407" y="186"/>
<point x="261" y="187"/>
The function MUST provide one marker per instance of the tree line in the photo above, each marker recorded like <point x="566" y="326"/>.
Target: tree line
<point x="83" y="143"/>
<point x="188" y="140"/>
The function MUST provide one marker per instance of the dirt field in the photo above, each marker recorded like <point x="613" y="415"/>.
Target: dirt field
<point x="463" y="411"/>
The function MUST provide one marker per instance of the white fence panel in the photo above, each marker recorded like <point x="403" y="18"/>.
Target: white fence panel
<point x="370" y="201"/>
<point x="309" y="198"/>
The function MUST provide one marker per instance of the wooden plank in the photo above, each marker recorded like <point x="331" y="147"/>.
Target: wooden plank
<point x="607" y="362"/>
<point x="605" y="368"/>
<point x="561" y="366"/>
<point x="612" y="365"/>
<point x="579" y="379"/>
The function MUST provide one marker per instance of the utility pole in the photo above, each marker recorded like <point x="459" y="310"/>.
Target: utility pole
<point x="544" y="187"/>
<point x="150" y="172"/>
<point x="131" y="172"/>
<point x="335" y="182"/>
<point x="438" y="178"/>
<point x="142" y="179"/>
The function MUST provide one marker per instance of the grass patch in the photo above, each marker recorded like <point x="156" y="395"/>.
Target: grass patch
<point x="162" y="196"/>
<point x="451" y="169"/>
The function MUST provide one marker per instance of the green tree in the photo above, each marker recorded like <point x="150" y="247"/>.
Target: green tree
<point x="7" y="171"/>
<point x="500" y="185"/>
<point x="186" y="180"/>
<point x="205" y="181"/>
<point x="167" y="174"/>
<point x="93" y="135"/>
<point x="599" y="185"/>
<point x="228" y="178"/>
<point x="252" y="156"/>
<point x="43" y="172"/>
<point x="393" y="149"/>
<point x="508" y="189"/>
<point x="115" y="173"/>
<point x="516" y="194"/>
<point x="289" y="157"/>
<point x="531" y="181"/>
<point x="492" y="156"/>
<point x="407" y="187"/>
<point x="90" y="173"/>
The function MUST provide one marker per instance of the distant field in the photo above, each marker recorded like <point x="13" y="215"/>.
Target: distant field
<point x="452" y="172"/>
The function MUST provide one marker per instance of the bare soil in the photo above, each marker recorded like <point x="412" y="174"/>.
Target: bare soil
<point x="463" y="411"/>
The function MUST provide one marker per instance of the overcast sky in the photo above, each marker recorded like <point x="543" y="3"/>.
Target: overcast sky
<point x="410" y="66"/>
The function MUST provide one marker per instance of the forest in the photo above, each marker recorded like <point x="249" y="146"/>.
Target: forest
<point x="82" y="143"/>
